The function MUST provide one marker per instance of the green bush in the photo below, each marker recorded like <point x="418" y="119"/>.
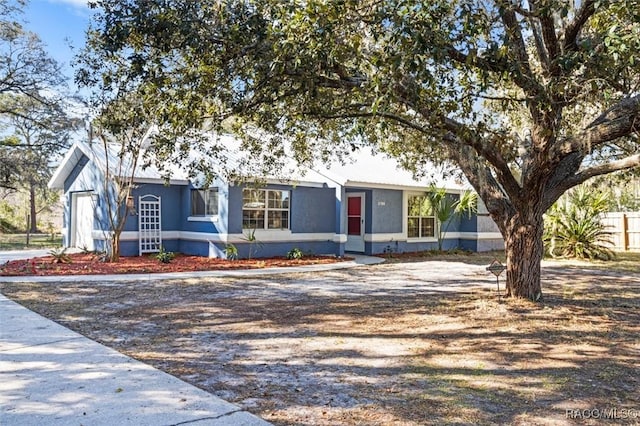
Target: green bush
<point x="295" y="253"/>
<point x="573" y="227"/>
<point x="7" y="227"/>
<point x="60" y="255"/>
<point x="165" y="256"/>
<point x="231" y="251"/>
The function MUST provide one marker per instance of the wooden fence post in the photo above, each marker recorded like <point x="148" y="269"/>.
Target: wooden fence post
<point x="625" y="232"/>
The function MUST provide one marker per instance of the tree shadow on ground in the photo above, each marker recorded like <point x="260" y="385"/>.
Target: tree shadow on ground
<point x="365" y="347"/>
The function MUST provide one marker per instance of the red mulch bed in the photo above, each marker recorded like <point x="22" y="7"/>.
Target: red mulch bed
<point x="90" y="264"/>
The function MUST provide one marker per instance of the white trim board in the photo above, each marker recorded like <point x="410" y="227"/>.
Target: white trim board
<point x="268" y="237"/>
<point x="286" y="236"/>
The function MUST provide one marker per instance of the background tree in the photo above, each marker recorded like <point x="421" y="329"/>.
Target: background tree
<point x="40" y="133"/>
<point x="410" y="78"/>
<point x="29" y="85"/>
<point x="622" y="191"/>
<point x="26" y="69"/>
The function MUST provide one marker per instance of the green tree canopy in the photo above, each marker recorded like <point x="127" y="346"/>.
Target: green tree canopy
<point x="528" y="98"/>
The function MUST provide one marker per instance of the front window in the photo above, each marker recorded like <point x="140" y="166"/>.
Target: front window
<point x="421" y="222"/>
<point x="265" y="209"/>
<point x="204" y="202"/>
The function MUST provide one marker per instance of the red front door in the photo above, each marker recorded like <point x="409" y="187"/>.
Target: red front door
<point x="354" y="215"/>
<point x="355" y="222"/>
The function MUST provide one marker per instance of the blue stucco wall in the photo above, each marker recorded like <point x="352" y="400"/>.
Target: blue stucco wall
<point x="234" y="214"/>
<point x="171" y="205"/>
<point x="79" y="178"/>
<point x="386" y="208"/>
<point x="272" y="249"/>
<point x="86" y="177"/>
<point x="468" y="224"/>
<point x="409" y="247"/>
<point x="312" y="210"/>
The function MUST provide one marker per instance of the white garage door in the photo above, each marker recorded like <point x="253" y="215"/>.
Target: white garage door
<point x="82" y="217"/>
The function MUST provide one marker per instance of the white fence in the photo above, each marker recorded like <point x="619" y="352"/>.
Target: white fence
<point x="625" y="228"/>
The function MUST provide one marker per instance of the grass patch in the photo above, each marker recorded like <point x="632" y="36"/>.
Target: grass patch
<point x="36" y="241"/>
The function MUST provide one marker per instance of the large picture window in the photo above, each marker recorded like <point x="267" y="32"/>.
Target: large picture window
<point x="204" y="202"/>
<point x="265" y="209"/>
<point x="421" y="222"/>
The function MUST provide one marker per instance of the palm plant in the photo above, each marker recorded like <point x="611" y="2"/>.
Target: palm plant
<point x="254" y="243"/>
<point x="446" y="208"/>
<point x="573" y="227"/>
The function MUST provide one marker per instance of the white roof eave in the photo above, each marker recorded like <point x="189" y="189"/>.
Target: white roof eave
<point x="409" y="187"/>
<point x="67" y="164"/>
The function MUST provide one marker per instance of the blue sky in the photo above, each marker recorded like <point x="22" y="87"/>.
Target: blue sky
<point x="59" y="23"/>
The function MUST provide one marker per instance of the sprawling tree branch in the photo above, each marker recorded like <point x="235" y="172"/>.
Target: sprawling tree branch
<point x="601" y="169"/>
<point x="619" y="120"/>
<point x="481" y="178"/>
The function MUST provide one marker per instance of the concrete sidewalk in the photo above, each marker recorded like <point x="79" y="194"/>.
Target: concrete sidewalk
<point x="50" y="375"/>
<point x="6" y="256"/>
<point x="54" y="376"/>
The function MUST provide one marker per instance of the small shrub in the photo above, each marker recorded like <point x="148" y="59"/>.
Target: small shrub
<point x="294" y="254"/>
<point x="100" y="256"/>
<point x="573" y="227"/>
<point x="231" y="251"/>
<point x="165" y="256"/>
<point x="60" y="255"/>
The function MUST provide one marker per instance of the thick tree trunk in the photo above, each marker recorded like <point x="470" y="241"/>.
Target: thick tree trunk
<point x="524" y="250"/>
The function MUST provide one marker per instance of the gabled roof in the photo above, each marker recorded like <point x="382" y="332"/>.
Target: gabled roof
<point x="66" y="166"/>
<point x="97" y="154"/>
<point x="364" y="169"/>
<point x="367" y="168"/>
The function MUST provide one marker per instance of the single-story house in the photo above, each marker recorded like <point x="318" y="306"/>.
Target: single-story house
<point x="368" y="206"/>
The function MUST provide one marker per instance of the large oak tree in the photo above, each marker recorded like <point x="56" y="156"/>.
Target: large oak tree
<point x="527" y="97"/>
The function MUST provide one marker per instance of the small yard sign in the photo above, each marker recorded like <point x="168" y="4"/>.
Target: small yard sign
<point x="496" y="269"/>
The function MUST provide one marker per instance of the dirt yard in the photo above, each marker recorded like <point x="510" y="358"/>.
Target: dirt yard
<point x="408" y="343"/>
